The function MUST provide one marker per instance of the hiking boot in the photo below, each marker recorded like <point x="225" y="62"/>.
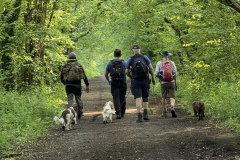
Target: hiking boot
<point x="119" y="116"/>
<point x="164" y="113"/>
<point x="145" y="115"/>
<point x="79" y="115"/>
<point x="139" y="117"/>
<point x="122" y="115"/>
<point x="173" y="114"/>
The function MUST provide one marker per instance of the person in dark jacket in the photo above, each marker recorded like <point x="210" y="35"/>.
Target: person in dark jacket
<point x="118" y="86"/>
<point x="140" y="81"/>
<point x="74" y="88"/>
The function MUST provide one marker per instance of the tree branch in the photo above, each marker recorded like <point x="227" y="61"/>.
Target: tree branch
<point x="178" y="32"/>
<point x="231" y="3"/>
<point x="236" y="4"/>
<point x="51" y="16"/>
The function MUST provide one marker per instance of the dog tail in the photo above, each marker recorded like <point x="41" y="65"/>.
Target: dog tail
<point x="59" y="121"/>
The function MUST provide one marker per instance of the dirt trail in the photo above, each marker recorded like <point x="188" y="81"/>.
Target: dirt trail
<point x="181" y="138"/>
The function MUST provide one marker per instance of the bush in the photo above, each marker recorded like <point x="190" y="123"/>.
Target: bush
<point x="221" y="98"/>
<point x="28" y="115"/>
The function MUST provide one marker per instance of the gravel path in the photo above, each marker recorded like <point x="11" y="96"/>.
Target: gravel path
<point x="181" y="138"/>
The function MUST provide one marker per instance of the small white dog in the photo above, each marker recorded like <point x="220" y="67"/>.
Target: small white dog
<point x="107" y="112"/>
<point x="69" y="116"/>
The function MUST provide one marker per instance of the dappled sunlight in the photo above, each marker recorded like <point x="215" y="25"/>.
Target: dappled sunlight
<point x="226" y="136"/>
<point x="100" y="112"/>
<point x="182" y="130"/>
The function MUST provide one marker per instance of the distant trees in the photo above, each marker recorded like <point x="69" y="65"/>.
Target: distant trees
<point x="36" y="36"/>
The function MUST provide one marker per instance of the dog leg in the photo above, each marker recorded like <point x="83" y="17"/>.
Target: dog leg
<point x="68" y="124"/>
<point x="199" y="115"/>
<point x="104" y="119"/>
<point x="75" y="120"/>
<point x="110" y="117"/>
<point x="195" y="111"/>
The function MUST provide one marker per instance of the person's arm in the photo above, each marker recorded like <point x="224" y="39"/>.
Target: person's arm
<point x="148" y="62"/>
<point x="157" y="70"/>
<point x="86" y="82"/>
<point x="152" y="73"/>
<point x="175" y="76"/>
<point x="107" y="71"/>
<point x="107" y="77"/>
<point x="127" y="72"/>
<point x="128" y="69"/>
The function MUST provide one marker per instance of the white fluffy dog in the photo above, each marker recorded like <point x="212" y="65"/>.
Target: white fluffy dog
<point x="107" y="112"/>
<point x="69" y="116"/>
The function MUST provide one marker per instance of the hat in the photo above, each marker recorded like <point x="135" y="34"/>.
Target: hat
<point x="166" y="54"/>
<point x="136" y="46"/>
<point x="72" y="55"/>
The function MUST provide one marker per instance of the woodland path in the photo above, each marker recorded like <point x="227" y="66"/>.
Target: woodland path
<point x="181" y="138"/>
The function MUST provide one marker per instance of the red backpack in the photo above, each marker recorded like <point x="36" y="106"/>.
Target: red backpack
<point x="166" y="74"/>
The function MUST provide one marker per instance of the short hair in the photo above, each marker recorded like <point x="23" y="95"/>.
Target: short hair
<point x="117" y="53"/>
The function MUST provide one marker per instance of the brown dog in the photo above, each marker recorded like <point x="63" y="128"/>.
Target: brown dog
<point x="198" y="108"/>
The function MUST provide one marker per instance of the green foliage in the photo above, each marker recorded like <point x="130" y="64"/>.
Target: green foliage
<point x="151" y="111"/>
<point x="221" y="99"/>
<point x="203" y="37"/>
<point x="28" y="115"/>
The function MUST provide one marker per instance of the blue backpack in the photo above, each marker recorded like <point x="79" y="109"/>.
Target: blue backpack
<point x="139" y="67"/>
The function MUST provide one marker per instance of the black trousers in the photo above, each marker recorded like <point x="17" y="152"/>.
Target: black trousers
<point x="71" y="91"/>
<point x="118" y="90"/>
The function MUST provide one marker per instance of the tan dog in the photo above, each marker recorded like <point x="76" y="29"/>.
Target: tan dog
<point x="69" y="117"/>
<point x="107" y="112"/>
<point x="198" y="108"/>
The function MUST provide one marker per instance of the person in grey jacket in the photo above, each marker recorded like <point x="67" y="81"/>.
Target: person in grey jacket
<point x="74" y="88"/>
<point x="168" y="88"/>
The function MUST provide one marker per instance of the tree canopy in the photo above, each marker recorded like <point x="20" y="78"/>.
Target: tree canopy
<point x="37" y="36"/>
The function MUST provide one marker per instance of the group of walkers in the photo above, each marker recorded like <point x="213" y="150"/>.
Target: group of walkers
<point x="137" y="68"/>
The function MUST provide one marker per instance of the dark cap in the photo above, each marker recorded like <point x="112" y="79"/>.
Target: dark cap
<point x="166" y="54"/>
<point x="72" y="55"/>
<point x="136" y="46"/>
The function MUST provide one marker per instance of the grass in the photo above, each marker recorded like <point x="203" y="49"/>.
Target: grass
<point x="28" y="115"/>
<point x="221" y="99"/>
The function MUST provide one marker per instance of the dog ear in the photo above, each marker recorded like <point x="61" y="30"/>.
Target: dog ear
<point x="75" y="108"/>
<point x="105" y="105"/>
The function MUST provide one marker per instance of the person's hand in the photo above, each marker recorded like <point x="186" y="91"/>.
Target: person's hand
<point x="109" y="82"/>
<point x="87" y="89"/>
<point x="153" y="81"/>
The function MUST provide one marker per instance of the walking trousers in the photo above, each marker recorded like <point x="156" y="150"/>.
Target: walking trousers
<point x="118" y="90"/>
<point x="71" y="91"/>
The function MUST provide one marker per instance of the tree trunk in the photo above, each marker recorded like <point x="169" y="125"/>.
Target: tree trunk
<point x="6" y="48"/>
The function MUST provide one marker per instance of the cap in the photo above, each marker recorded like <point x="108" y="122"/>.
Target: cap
<point x="72" y="55"/>
<point x="136" y="46"/>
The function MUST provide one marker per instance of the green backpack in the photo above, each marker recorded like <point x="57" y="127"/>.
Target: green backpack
<point x="73" y="72"/>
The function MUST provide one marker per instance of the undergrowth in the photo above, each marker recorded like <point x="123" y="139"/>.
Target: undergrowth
<point x="221" y="99"/>
<point x="27" y="115"/>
